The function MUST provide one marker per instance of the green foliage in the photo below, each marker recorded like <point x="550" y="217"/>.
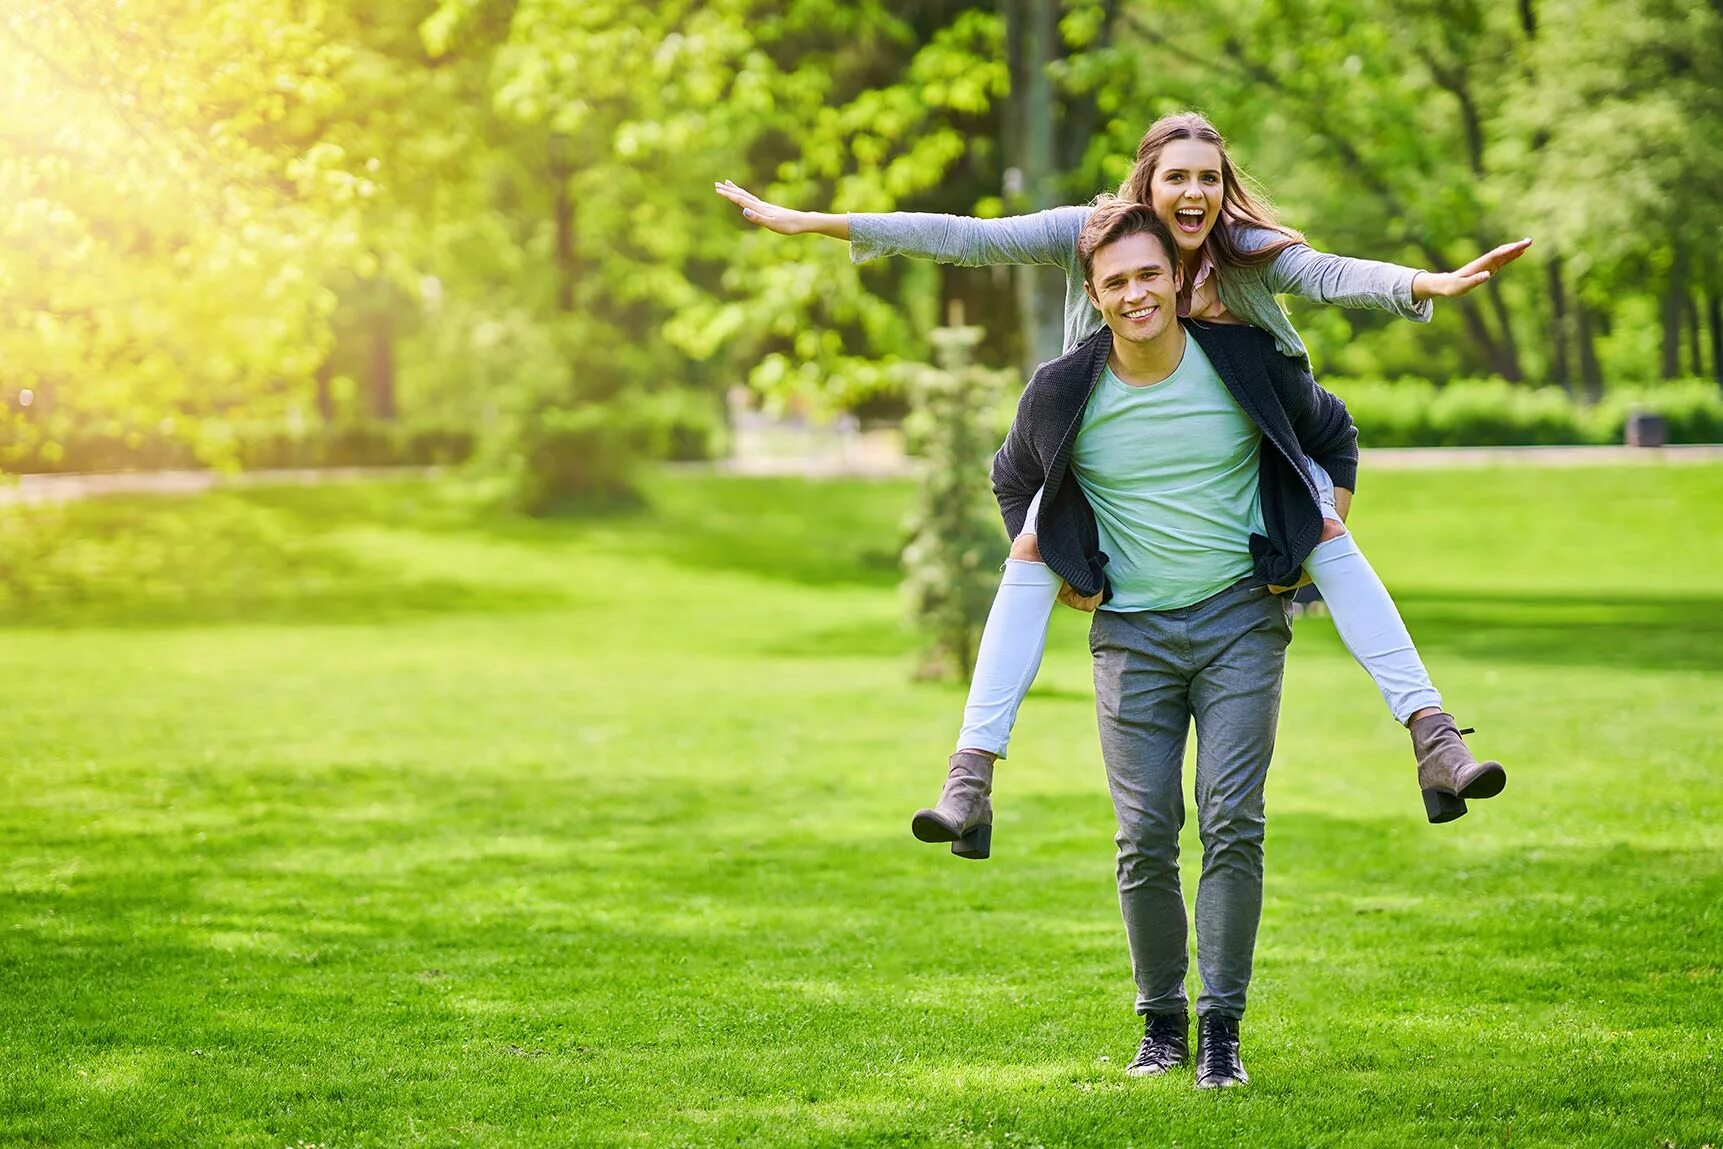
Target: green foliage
<point x="1490" y="412"/>
<point x="100" y="446"/>
<point x="459" y="211"/>
<point x="171" y="206"/>
<point x="562" y="456"/>
<point x="952" y="557"/>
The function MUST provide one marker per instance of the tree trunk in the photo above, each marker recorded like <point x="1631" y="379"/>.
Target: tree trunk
<point x="380" y="366"/>
<point x="1590" y="373"/>
<point x="1716" y="337"/>
<point x="1082" y="115"/>
<point x="1508" y="365"/>
<point x="1560" y="371"/>
<point x="1695" y="344"/>
<point x="1031" y="45"/>
<point x="325" y="397"/>
<point x="563" y="208"/>
<point x="1674" y="297"/>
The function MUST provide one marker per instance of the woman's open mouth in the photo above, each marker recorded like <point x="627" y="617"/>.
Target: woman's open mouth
<point x="1190" y="219"/>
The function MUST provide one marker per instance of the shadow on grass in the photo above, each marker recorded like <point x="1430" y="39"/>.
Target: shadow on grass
<point x="365" y="553"/>
<point x="370" y="552"/>
<point x="1652" y="632"/>
<point x="817" y="534"/>
<point x="294" y="555"/>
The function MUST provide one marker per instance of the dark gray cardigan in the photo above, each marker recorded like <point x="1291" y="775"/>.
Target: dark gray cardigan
<point x="1297" y="419"/>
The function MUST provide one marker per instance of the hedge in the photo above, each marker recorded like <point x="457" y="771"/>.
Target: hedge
<point x="1491" y="413"/>
<point x="1405" y="413"/>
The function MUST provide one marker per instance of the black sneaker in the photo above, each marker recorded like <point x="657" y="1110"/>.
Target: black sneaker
<point x="1166" y="1043"/>
<point x="1218" y="1064"/>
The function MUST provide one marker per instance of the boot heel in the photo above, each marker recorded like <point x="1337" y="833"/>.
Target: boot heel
<point x="1442" y="806"/>
<point x="977" y="844"/>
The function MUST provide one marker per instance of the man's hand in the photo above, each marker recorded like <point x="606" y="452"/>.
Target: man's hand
<point x="783" y="220"/>
<point x="1342" y="505"/>
<point x="1072" y="599"/>
<point x="1453" y="284"/>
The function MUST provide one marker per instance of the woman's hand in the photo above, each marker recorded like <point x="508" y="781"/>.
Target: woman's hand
<point x="783" y="220"/>
<point x="1453" y="284"/>
<point x="1072" y="599"/>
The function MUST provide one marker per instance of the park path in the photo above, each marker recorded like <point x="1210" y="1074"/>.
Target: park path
<point x="34" y="489"/>
<point x="30" y="489"/>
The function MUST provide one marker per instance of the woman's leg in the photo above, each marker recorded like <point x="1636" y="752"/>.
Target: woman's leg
<point x="1369" y="623"/>
<point x="1012" y="644"/>
<point x="1371" y="628"/>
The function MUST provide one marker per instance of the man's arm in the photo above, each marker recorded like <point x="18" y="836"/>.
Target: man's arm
<point x="1320" y="421"/>
<point x="1018" y="472"/>
<point x="1014" y="477"/>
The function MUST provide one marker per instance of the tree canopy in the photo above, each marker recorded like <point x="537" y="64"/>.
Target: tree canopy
<point x="479" y="211"/>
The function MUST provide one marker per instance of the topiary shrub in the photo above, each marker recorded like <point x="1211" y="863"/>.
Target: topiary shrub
<point x="951" y="561"/>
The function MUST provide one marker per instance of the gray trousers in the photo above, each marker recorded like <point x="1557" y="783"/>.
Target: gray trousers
<point x="1219" y="662"/>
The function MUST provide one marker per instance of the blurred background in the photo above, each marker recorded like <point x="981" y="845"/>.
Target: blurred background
<point x="264" y="233"/>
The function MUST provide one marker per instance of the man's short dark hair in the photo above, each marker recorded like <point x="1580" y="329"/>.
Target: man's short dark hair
<point x="1114" y="219"/>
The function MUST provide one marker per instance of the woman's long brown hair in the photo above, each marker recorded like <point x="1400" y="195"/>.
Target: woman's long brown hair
<point x="1238" y="204"/>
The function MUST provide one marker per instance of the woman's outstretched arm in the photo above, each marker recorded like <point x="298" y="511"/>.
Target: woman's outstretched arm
<point x="783" y="220"/>
<point x="1048" y="237"/>
<point x="1452" y="284"/>
<point x="1346" y="282"/>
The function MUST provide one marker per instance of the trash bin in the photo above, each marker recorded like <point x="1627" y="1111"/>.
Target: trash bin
<point x="1645" y="429"/>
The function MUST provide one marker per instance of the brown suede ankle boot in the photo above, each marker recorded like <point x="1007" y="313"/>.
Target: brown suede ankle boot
<point x="1447" y="772"/>
<point x="963" y="815"/>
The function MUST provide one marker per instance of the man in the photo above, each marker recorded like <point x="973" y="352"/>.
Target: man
<point x="1170" y="459"/>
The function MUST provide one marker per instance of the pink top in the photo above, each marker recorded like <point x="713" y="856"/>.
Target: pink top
<point x="1202" y="301"/>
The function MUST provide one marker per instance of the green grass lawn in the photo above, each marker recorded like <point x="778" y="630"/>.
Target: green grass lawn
<point x="358" y="816"/>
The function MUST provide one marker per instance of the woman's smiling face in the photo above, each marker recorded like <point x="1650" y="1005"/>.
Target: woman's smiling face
<point x="1186" y="191"/>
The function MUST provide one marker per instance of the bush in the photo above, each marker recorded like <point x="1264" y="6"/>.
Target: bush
<point x="564" y="456"/>
<point x="250" y="446"/>
<point x="1493" y="413"/>
<point x="1693" y="409"/>
<point x="954" y="547"/>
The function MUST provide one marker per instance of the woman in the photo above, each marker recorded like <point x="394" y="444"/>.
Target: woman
<point x="1235" y="258"/>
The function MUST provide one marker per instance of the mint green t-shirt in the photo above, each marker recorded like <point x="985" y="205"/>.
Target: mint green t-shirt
<point x="1171" y="470"/>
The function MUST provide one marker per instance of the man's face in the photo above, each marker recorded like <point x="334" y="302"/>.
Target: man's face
<point x="1133" y="282"/>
